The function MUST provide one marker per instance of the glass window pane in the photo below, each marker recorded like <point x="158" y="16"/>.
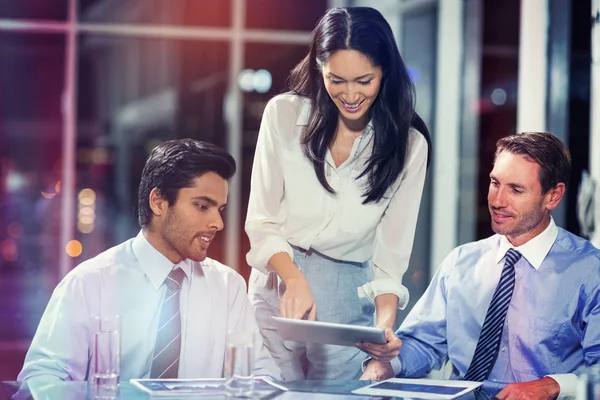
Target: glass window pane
<point x="34" y="9"/>
<point x="285" y="15"/>
<point x="211" y="13"/>
<point x="498" y="104"/>
<point x="134" y="94"/>
<point x="420" y="58"/>
<point x="579" y="100"/>
<point x="278" y="60"/>
<point x="32" y="81"/>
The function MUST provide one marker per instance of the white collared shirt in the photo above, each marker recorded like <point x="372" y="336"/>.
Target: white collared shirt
<point x="127" y="280"/>
<point x="534" y="250"/>
<point x="288" y="205"/>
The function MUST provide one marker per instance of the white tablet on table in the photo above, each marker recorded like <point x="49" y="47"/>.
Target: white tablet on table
<point x="301" y="330"/>
<point x="419" y="388"/>
<point x="263" y="386"/>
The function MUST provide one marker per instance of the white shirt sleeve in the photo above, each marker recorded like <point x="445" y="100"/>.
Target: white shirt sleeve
<point x="568" y="385"/>
<point x="241" y="319"/>
<point x="60" y="347"/>
<point x="264" y="220"/>
<point x="396" y="230"/>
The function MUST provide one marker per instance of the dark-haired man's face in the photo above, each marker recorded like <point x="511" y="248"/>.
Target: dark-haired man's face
<point x="187" y="227"/>
<point x="519" y="209"/>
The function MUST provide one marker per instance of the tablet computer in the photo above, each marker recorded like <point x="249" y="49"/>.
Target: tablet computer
<point x="301" y="330"/>
<point x="201" y="387"/>
<point x="419" y="388"/>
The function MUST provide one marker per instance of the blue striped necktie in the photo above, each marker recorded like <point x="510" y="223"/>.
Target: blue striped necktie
<point x="165" y="361"/>
<point x="491" y="332"/>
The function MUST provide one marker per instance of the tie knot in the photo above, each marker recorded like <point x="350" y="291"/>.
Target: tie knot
<point x="175" y="278"/>
<point x="512" y="256"/>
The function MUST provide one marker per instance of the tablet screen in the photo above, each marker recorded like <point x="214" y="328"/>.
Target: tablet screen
<point x="322" y="396"/>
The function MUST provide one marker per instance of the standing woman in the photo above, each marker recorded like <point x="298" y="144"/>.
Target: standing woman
<point x="336" y="185"/>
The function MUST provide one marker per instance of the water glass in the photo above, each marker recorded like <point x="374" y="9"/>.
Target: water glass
<point x="239" y="364"/>
<point x="106" y="357"/>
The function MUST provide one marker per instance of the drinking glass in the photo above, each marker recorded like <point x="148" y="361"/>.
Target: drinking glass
<point x="239" y="364"/>
<point x="106" y="356"/>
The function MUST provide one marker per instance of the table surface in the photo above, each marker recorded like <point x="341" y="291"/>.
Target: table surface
<point x="305" y="390"/>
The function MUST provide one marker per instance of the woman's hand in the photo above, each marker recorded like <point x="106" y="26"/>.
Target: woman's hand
<point x="298" y="300"/>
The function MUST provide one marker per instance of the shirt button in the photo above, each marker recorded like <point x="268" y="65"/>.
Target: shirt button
<point x="503" y="348"/>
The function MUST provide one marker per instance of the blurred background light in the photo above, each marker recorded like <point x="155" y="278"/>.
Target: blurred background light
<point x="15" y="181"/>
<point x="74" y="248"/>
<point x="246" y="80"/>
<point x="14" y="230"/>
<point x="414" y="74"/>
<point x="85" y="228"/>
<point x="9" y="250"/>
<point x="498" y="96"/>
<point x="262" y="81"/>
<point x="48" y="195"/>
<point x="87" y="197"/>
<point x="259" y="81"/>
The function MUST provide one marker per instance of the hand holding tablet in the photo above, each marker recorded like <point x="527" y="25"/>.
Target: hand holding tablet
<point x="383" y="352"/>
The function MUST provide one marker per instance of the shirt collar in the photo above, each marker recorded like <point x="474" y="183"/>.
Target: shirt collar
<point x="154" y="264"/>
<point x="536" y="249"/>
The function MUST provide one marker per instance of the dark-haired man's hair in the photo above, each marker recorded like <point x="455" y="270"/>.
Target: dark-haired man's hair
<point x="174" y="165"/>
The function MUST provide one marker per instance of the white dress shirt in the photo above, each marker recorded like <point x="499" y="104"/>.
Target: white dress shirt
<point x="127" y="280"/>
<point x="288" y="205"/>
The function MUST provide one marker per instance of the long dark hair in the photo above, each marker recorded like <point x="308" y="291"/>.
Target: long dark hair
<point x="393" y="113"/>
<point x="174" y="165"/>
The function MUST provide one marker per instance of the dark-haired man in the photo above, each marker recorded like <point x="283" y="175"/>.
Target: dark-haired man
<point x="175" y="304"/>
<point x="520" y="310"/>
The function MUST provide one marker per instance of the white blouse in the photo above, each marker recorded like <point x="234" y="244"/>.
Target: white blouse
<point x="288" y="205"/>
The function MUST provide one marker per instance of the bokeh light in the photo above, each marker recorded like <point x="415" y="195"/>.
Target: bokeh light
<point x="74" y="248"/>
<point x="86" y="219"/>
<point x="85" y="228"/>
<point x="498" y="96"/>
<point x="262" y="81"/>
<point x="245" y="80"/>
<point x="87" y="197"/>
<point x="87" y="210"/>
<point x="9" y="250"/>
<point x="47" y="195"/>
<point x="14" y="230"/>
